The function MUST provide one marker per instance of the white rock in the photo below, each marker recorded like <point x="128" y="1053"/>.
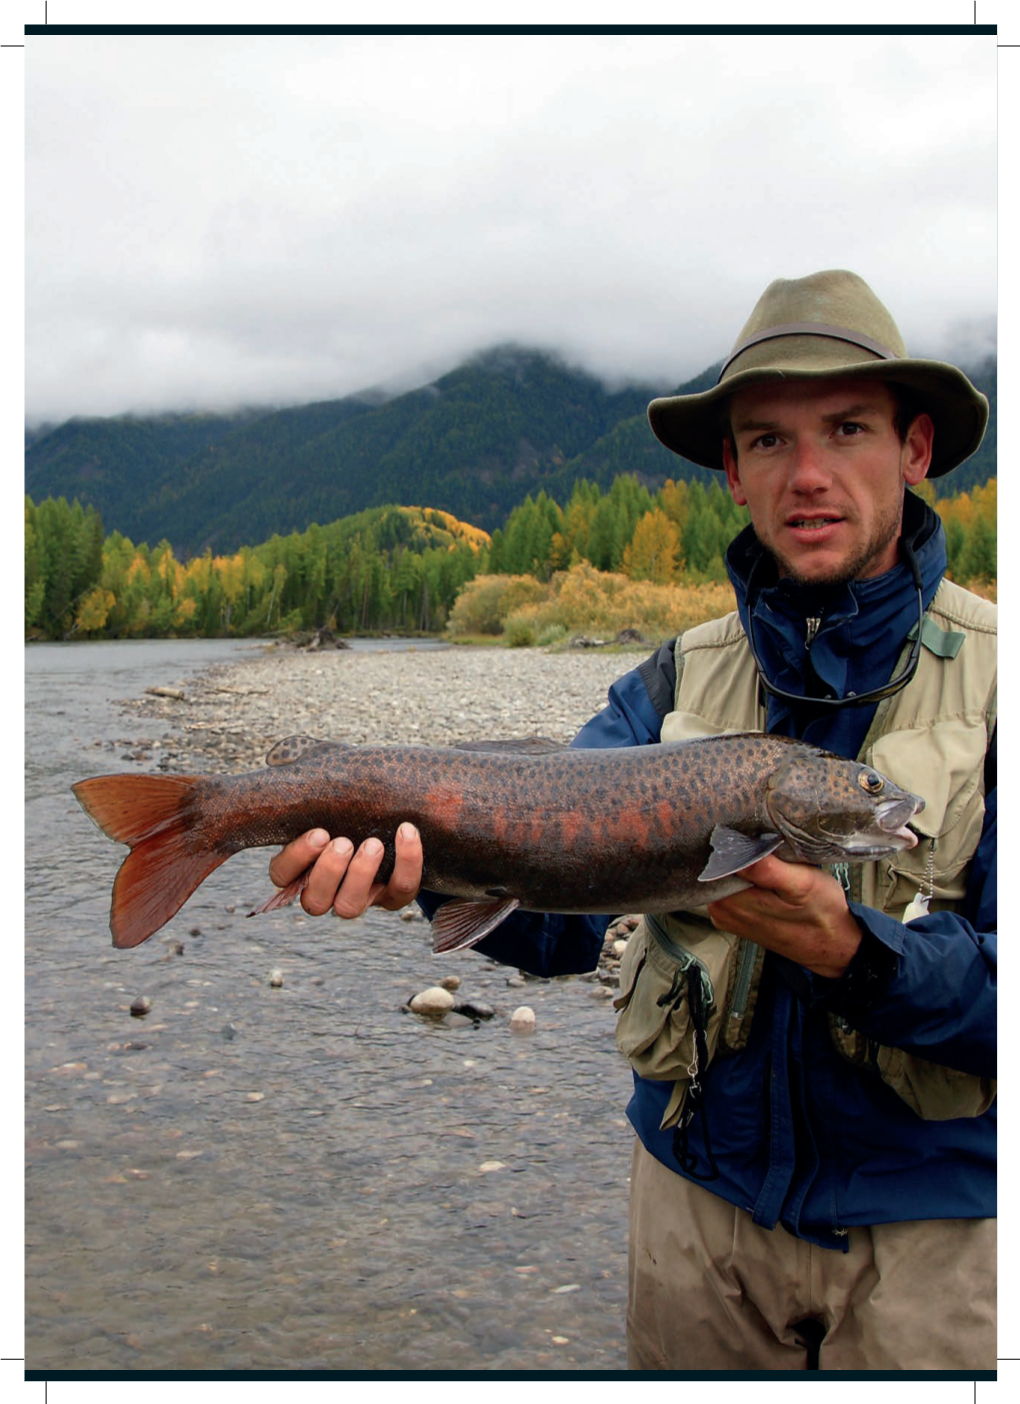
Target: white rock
<point x="432" y="1001"/>
<point x="276" y="978"/>
<point x="619" y="948"/>
<point x="523" y="1019"/>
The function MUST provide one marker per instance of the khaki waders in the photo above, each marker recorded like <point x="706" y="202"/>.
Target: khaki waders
<point x="710" y="1290"/>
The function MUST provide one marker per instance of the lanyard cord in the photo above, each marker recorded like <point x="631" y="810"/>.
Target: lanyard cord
<point x="694" y="1105"/>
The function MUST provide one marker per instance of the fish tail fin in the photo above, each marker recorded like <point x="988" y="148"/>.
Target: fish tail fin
<point x="159" y="816"/>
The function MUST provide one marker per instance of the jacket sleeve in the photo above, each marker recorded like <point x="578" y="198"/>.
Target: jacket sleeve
<point x="553" y="943"/>
<point x="929" y="987"/>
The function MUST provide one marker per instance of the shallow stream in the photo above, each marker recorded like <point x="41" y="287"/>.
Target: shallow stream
<point x="303" y="1177"/>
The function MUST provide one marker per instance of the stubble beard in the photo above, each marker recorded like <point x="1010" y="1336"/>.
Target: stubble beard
<point x="857" y="567"/>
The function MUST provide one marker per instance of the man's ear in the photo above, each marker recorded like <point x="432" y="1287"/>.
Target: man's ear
<point x="917" y="450"/>
<point x="736" y="488"/>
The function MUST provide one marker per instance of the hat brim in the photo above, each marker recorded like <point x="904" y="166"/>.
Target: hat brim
<point x="693" y="425"/>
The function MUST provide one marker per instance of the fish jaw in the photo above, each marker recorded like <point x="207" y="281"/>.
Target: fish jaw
<point x="859" y="848"/>
<point x="893" y="814"/>
<point x="890" y="833"/>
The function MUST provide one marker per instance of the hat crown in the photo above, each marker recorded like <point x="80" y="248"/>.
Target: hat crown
<point x="834" y="298"/>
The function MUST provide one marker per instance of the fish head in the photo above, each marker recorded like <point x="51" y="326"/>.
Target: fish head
<point x="832" y="810"/>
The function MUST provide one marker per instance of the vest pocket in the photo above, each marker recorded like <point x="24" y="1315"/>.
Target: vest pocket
<point x="934" y="1092"/>
<point x="655" y="1030"/>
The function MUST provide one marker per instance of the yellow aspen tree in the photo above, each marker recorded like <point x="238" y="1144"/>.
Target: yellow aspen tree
<point x="652" y="551"/>
<point x="94" y="610"/>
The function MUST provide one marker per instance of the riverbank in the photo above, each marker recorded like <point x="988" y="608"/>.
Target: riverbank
<point x="229" y="717"/>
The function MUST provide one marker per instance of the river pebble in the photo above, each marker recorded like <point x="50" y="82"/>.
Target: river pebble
<point x="432" y="1001"/>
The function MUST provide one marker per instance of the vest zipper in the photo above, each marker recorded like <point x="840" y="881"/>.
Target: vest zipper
<point x="742" y="982"/>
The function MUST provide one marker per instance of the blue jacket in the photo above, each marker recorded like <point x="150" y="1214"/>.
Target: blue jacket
<point x="800" y="1136"/>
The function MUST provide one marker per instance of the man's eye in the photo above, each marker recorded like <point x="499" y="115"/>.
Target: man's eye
<point x="765" y="441"/>
<point x="851" y="428"/>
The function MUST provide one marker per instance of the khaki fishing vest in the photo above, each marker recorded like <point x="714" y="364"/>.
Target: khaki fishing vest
<point x="931" y="738"/>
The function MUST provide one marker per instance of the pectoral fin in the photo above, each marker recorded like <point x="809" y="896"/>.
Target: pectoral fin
<point x="457" y="925"/>
<point x="733" y="851"/>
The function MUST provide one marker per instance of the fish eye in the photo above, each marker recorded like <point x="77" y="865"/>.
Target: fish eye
<point x="870" y="781"/>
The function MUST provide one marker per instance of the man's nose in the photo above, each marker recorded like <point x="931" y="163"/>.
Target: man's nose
<point x="808" y="467"/>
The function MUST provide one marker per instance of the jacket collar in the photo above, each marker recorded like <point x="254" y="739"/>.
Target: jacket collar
<point x="860" y="627"/>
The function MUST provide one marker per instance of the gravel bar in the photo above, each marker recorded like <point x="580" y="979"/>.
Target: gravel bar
<point x="230" y="716"/>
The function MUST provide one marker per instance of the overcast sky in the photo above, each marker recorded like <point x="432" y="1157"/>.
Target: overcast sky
<point x="221" y="221"/>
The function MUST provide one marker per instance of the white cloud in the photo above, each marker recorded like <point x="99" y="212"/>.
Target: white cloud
<point x="213" y="221"/>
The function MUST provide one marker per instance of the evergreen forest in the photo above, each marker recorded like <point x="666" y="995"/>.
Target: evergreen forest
<point x="627" y="557"/>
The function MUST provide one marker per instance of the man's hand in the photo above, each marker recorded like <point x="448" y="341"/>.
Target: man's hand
<point x="797" y="911"/>
<point x="344" y="880"/>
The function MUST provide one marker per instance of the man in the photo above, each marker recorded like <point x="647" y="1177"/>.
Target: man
<point x="814" y="1171"/>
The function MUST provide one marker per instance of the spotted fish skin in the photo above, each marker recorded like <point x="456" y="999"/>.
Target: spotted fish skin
<point x="557" y="830"/>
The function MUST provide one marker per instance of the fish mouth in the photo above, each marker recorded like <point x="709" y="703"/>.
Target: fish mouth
<point x="892" y="815"/>
<point x="886" y="833"/>
<point x="890" y="829"/>
<point x="878" y="845"/>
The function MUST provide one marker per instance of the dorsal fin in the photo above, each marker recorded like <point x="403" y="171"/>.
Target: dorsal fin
<point x="292" y="748"/>
<point x="518" y="745"/>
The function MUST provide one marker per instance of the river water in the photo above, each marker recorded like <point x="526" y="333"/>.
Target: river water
<point x="303" y="1177"/>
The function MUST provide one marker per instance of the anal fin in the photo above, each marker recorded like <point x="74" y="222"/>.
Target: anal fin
<point x="457" y="925"/>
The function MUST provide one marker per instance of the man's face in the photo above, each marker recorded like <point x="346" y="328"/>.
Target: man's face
<point x="822" y="469"/>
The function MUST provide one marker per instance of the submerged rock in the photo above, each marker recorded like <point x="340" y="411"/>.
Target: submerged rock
<point x="474" y="1009"/>
<point x="435" y="1001"/>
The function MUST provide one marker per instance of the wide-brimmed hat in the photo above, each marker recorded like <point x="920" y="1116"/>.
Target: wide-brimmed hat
<point x="828" y="324"/>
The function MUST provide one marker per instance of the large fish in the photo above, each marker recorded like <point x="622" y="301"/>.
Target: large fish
<point x="504" y="825"/>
